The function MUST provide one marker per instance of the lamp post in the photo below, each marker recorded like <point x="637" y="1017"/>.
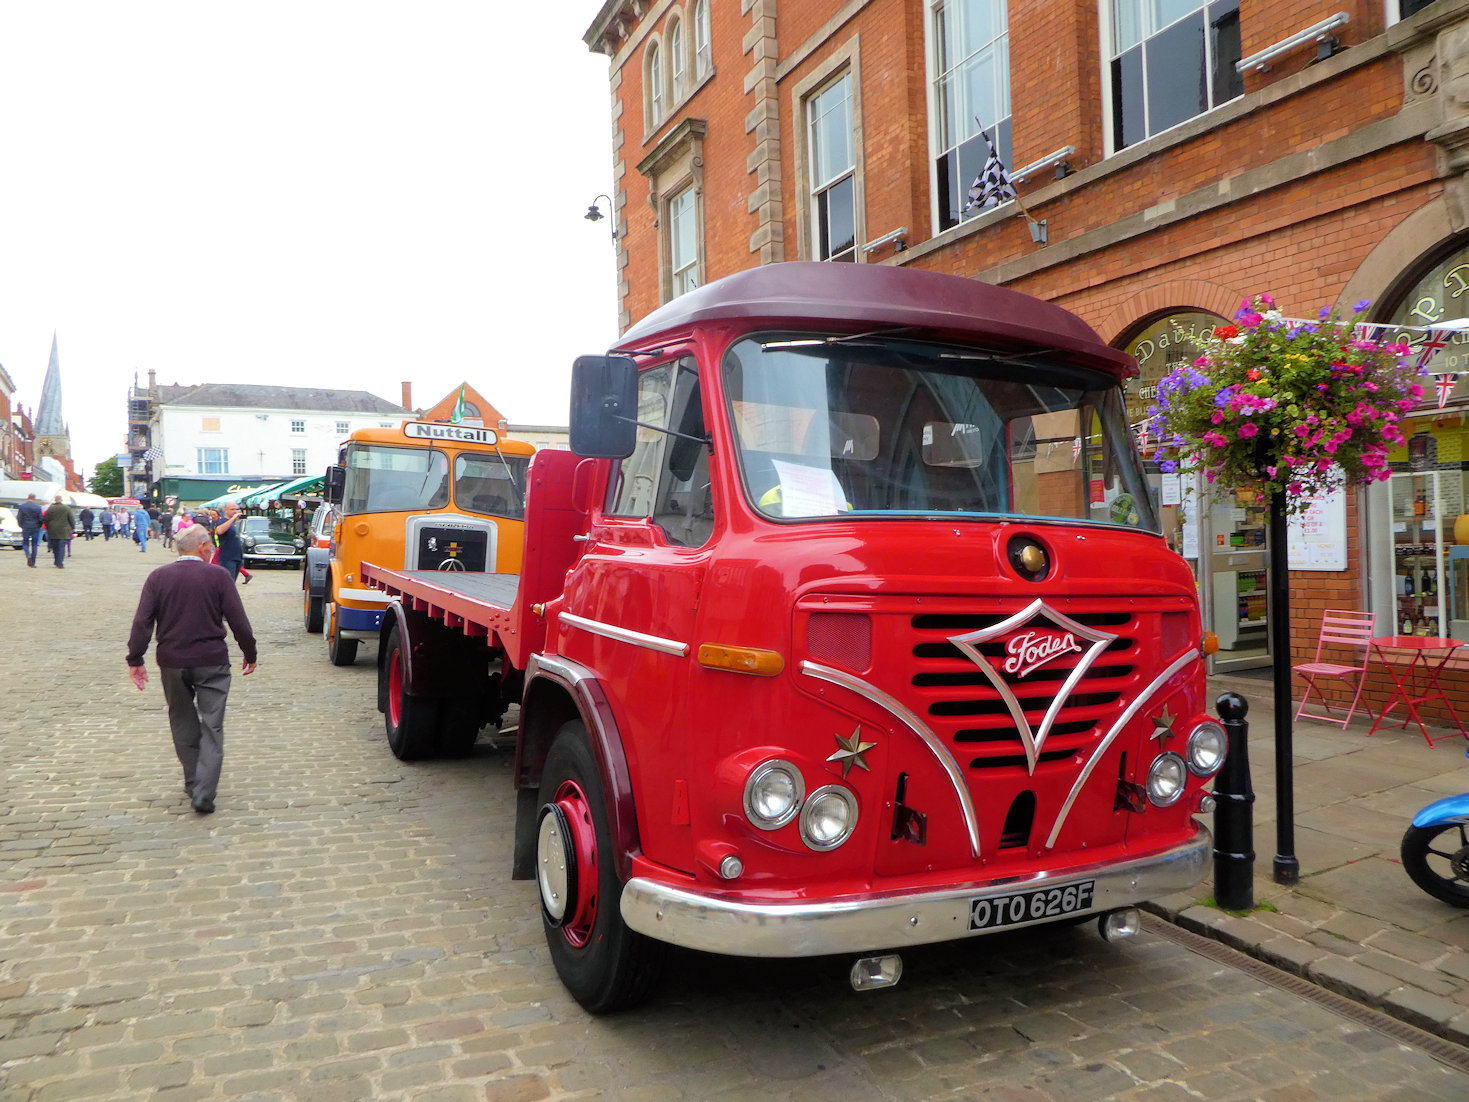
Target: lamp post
<point x="595" y="215"/>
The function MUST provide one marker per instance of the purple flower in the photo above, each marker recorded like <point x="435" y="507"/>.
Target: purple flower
<point x="1361" y="304"/>
<point x="1324" y="313"/>
<point x="1168" y="466"/>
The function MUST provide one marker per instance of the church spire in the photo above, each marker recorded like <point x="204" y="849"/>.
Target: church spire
<point x="49" y="421"/>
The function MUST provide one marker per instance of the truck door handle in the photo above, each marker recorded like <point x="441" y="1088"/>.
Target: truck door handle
<point x="582" y="539"/>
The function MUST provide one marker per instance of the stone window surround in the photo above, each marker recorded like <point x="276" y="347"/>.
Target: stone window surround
<point x="657" y="34"/>
<point x="846" y="58"/>
<point x="674" y="165"/>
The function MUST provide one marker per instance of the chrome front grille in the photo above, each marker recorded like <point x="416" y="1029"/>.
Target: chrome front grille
<point x="964" y="708"/>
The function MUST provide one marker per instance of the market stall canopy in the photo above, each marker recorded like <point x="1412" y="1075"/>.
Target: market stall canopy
<point x="15" y="490"/>
<point x="80" y="500"/>
<point x="310" y="485"/>
<point x="124" y="502"/>
<point x="238" y="496"/>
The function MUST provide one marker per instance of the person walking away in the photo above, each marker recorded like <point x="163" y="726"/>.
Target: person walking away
<point x="29" y="514"/>
<point x="227" y="536"/>
<point x="86" y="517"/>
<point x="165" y="526"/>
<point x="59" y="526"/>
<point x="187" y="603"/>
<point x="140" y="528"/>
<point x="106" y="525"/>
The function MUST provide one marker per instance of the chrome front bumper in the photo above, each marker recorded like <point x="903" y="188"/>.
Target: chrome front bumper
<point x="859" y="924"/>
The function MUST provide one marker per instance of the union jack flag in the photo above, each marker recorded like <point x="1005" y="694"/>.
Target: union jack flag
<point x="1142" y="436"/>
<point x="1075" y="448"/>
<point x="1445" y="382"/>
<point x="1436" y="340"/>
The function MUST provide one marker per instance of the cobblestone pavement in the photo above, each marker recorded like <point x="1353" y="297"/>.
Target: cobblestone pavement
<point x="344" y="927"/>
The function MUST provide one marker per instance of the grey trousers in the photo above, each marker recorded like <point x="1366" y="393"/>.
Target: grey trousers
<point x="196" y="697"/>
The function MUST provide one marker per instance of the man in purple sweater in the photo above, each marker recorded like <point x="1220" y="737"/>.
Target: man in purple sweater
<point x="189" y="601"/>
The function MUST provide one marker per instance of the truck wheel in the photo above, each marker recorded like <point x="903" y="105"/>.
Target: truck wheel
<point x="313" y="611"/>
<point x="411" y="721"/>
<point x="604" y="965"/>
<point x="459" y="728"/>
<point x="342" y="652"/>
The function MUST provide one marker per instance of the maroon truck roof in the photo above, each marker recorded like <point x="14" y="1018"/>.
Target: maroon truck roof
<point x="860" y="296"/>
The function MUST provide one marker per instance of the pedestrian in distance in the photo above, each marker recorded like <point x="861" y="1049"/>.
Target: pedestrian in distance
<point x="227" y="536"/>
<point x="188" y="602"/>
<point x="141" y="521"/>
<point x="165" y="525"/>
<point x="107" y="523"/>
<point x="59" y="526"/>
<point x="29" y="514"/>
<point x="87" y="518"/>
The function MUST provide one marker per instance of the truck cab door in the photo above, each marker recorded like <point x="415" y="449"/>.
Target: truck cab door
<point x="636" y="594"/>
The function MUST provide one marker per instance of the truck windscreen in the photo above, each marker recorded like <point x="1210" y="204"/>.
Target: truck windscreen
<point x="882" y="425"/>
<point x="492" y="484"/>
<point x="383" y="479"/>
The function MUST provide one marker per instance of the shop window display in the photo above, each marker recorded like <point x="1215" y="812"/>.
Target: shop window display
<point x="1421" y="522"/>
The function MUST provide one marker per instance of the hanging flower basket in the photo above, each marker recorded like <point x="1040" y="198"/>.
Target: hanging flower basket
<point x="1287" y="406"/>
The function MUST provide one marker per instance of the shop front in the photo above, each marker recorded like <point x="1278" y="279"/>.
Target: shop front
<point x="1419" y="518"/>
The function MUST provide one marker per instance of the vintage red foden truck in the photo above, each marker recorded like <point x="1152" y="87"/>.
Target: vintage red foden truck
<point x="846" y="627"/>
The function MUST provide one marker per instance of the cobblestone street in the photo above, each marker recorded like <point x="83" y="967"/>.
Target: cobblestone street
<point x="344" y="927"/>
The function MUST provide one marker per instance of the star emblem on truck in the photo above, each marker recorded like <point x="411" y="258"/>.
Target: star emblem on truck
<point x="852" y="751"/>
<point x="1163" y="723"/>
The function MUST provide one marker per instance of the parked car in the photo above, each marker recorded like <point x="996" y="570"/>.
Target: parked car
<point x="9" y="528"/>
<point x="271" y="539"/>
<point x="318" y="559"/>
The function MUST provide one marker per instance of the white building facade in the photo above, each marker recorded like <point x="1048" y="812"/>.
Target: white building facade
<point x="215" y="438"/>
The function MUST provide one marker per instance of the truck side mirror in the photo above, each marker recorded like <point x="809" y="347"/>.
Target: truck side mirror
<point x="604" y="406"/>
<point x="336" y="485"/>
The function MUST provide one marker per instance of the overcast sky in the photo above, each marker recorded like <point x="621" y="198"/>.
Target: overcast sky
<point x="301" y="192"/>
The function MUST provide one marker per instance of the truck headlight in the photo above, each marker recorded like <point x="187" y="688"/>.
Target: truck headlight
<point x="1206" y="748"/>
<point x="828" y="818"/>
<point x="773" y="794"/>
<point x="300" y="543"/>
<point x="249" y="542"/>
<point x="1166" y="778"/>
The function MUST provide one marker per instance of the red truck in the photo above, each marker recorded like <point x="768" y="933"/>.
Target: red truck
<point x="845" y="626"/>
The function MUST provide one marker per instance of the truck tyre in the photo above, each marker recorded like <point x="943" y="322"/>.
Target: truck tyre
<point x="312" y="608"/>
<point x="342" y="652"/>
<point x="604" y="965"/>
<point x="458" y="728"/>
<point x="411" y="721"/>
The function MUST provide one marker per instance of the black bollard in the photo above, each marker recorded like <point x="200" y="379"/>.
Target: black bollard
<point x="1234" y="795"/>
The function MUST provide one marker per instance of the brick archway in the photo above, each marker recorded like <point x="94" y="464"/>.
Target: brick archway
<point x="1399" y="254"/>
<point x="1169" y="298"/>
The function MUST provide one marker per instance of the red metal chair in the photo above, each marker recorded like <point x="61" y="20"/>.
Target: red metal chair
<point x="1339" y="628"/>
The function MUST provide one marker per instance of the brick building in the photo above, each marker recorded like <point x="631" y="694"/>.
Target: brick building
<point x="1170" y="159"/>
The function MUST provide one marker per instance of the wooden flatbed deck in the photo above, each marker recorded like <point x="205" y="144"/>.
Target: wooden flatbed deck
<point x="477" y="604"/>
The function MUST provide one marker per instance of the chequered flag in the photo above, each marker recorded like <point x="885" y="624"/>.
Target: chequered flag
<point x="1445" y="382"/>
<point x="155" y="452"/>
<point x="992" y="186"/>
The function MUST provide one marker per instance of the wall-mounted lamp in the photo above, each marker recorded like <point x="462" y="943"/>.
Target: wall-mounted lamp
<point x="595" y="215"/>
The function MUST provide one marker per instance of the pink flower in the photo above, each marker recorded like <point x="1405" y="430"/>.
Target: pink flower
<point x="1301" y="430"/>
<point x="1248" y="429"/>
<point x="1294" y="487"/>
<point x="1250" y="320"/>
<point x="1217" y="416"/>
<point x="1267" y="300"/>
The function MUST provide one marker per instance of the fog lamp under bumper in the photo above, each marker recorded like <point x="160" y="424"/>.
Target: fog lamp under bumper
<point x="726" y="922"/>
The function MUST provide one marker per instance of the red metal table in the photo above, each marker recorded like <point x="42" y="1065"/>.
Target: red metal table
<point x="1416" y="681"/>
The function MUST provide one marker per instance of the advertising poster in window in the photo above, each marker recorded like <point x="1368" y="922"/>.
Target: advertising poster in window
<point x="1316" y="537"/>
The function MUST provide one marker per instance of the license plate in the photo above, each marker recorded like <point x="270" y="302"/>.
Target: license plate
<point x="1032" y="906"/>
